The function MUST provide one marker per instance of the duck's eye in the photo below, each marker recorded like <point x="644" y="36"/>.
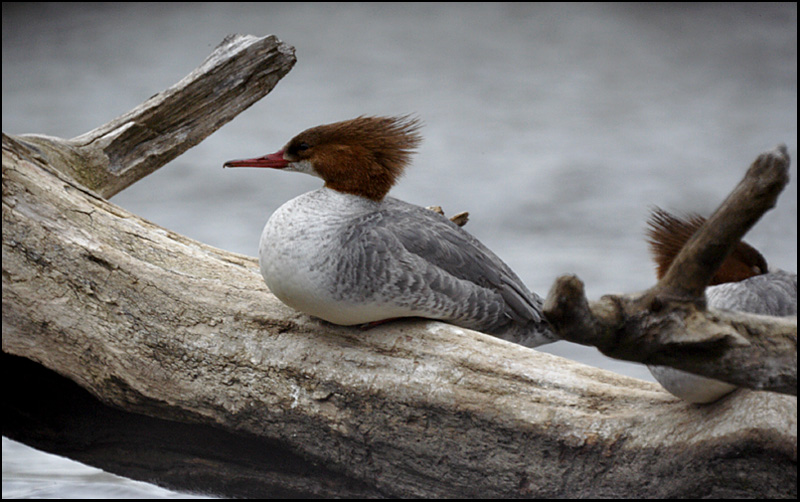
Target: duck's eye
<point x="303" y="146"/>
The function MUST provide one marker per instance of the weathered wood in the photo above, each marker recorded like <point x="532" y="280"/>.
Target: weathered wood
<point x="189" y="357"/>
<point x="703" y="254"/>
<point x="669" y="324"/>
<point x="240" y="71"/>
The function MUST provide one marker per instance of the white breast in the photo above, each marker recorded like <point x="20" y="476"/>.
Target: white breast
<point x="300" y="253"/>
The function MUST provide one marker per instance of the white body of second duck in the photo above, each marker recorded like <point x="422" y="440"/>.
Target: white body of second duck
<point x="744" y="282"/>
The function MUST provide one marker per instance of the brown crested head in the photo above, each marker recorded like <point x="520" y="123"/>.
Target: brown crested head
<point x="363" y="156"/>
<point x="667" y="234"/>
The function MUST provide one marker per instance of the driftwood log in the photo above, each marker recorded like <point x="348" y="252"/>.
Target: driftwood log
<point x="140" y="351"/>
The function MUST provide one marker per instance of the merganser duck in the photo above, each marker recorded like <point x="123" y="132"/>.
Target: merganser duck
<point x="743" y="282"/>
<point x="351" y="255"/>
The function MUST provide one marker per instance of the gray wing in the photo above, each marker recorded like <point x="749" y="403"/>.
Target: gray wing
<point x="773" y="293"/>
<point x="461" y="278"/>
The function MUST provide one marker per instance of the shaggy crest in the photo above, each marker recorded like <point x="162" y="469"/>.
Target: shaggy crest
<point x="364" y="156"/>
<point x="667" y="234"/>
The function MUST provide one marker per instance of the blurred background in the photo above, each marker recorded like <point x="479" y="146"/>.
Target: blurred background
<point x="557" y="126"/>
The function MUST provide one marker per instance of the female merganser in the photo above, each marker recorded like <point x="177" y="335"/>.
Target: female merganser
<point x="351" y="255"/>
<point x="743" y="282"/>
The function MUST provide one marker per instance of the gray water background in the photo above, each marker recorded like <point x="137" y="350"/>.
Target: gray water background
<point x="557" y="127"/>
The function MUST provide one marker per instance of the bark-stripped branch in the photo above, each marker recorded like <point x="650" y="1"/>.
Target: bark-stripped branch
<point x="240" y="71"/>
